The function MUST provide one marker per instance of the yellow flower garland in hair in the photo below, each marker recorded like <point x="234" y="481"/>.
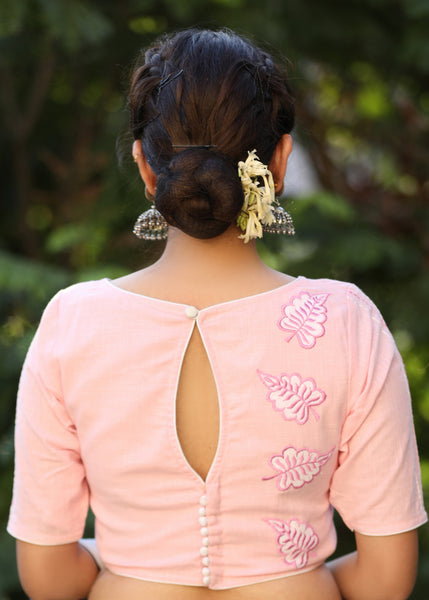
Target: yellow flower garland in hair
<point x="256" y="210"/>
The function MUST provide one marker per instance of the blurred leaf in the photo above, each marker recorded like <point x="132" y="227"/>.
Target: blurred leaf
<point x="67" y="236"/>
<point x="147" y="24"/>
<point x="19" y="275"/>
<point x="416" y="48"/>
<point x="416" y="8"/>
<point x="101" y="272"/>
<point x="12" y="16"/>
<point x="75" y="23"/>
<point x="83" y="241"/>
<point x="330" y="205"/>
<point x="372" y="100"/>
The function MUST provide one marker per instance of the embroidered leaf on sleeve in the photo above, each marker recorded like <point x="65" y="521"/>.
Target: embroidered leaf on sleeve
<point x="293" y="396"/>
<point x="277" y="525"/>
<point x="296" y="541"/>
<point x="297" y="467"/>
<point x="304" y="318"/>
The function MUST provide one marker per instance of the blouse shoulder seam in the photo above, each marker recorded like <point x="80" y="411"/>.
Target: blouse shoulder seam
<point x="362" y="300"/>
<point x="55" y="343"/>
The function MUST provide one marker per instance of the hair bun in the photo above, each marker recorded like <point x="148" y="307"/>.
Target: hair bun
<point x="199" y="192"/>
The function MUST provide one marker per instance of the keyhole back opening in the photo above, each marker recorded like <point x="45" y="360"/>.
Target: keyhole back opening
<point x="197" y="407"/>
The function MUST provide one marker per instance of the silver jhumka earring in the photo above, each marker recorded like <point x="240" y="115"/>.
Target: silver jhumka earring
<point x="151" y="225"/>
<point x="282" y="223"/>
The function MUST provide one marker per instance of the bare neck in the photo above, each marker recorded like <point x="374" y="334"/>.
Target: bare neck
<point x="224" y="255"/>
<point x="205" y="272"/>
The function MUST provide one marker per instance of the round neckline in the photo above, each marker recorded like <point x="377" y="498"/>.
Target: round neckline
<point x="181" y="305"/>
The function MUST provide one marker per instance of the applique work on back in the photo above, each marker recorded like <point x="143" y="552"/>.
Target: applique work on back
<point x="296" y="541"/>
<point x="304" y="317"/>
<point x="295" y="467"/>
<point x="293" y="396"/>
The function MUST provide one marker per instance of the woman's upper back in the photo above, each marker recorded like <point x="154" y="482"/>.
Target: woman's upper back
<point x="304" y="375"/>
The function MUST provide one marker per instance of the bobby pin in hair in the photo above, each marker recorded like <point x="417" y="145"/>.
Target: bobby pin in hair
<point x="166" y="80"/>
<point x="150" y="120"/>
<point x="194" y="146"/>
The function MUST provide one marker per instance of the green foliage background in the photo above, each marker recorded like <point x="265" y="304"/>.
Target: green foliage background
<point x="360" y="70"/>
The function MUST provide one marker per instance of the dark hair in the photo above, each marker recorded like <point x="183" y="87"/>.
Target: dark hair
<point x="207" y="88"/>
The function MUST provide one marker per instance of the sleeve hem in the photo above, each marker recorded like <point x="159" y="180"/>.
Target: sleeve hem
<point x="45" y="540"/>
<point x="393" y="530"/>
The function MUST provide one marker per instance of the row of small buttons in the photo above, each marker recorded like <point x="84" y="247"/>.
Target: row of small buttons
<point x="204" y="550"/>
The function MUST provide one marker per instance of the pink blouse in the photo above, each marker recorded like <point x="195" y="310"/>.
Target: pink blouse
<point x="314" y="410"/>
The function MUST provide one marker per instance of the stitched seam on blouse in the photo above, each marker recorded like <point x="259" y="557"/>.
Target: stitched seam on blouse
<point x="55" y="345"/>
<point x="60" y="336"/>
<point x="378" y="317"/>
<point x="368" y="306"/>
<point x="349" y="360"/>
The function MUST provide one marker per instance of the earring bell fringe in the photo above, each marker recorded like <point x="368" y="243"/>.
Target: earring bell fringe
<point x="151" y="225"/>
<point x="282" y="223"/>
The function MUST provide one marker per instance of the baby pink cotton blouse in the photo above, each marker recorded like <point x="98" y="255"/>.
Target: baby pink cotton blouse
<point x="314" y="414"/>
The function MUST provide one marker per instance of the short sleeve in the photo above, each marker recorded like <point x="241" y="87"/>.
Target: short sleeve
<point x="377" y="486"/>
<point x="50" y="493"/>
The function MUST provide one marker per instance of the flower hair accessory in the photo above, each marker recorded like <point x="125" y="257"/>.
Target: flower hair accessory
<point x="261" y="211"/>
<point x="257" y="208"/>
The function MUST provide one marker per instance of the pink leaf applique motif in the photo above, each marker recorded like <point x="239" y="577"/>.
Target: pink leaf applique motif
<point x="304" y="318"/>
<point x="296" y="540"/>
<point x="293" y="396"/>
<point x="297" y="467"/>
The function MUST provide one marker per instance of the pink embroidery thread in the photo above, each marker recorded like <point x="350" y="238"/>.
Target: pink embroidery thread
<point x="297" y="467"/>
<point x="296" y="540"/>
<point x="293" y="396"/>
<point x="304" y="318"/>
